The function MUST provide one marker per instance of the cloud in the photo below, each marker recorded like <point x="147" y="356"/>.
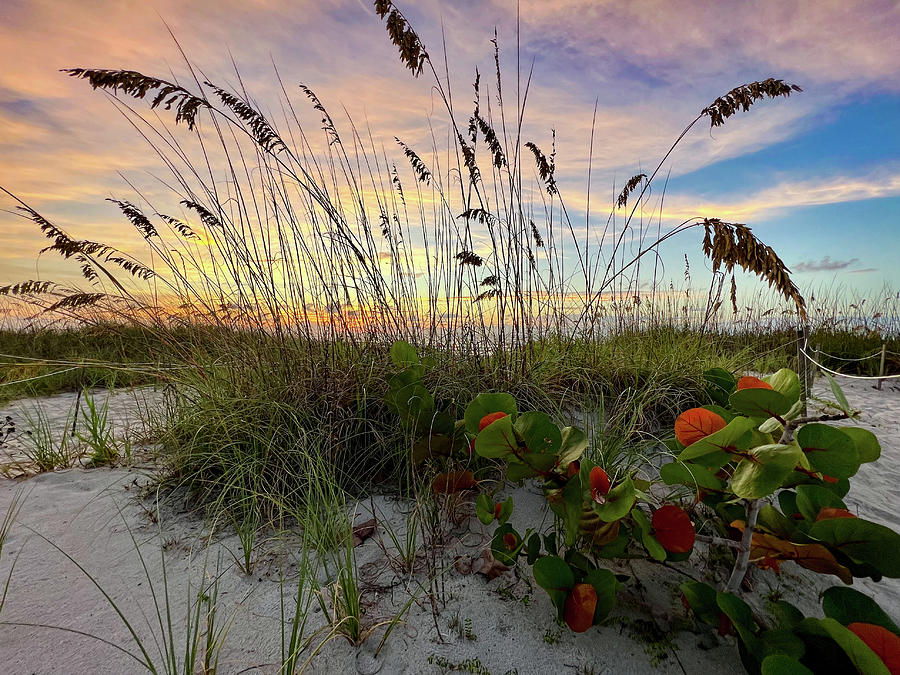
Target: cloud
<point x="866" y="270"/>
<point x="782" y="196"/>
<point x="826" y="264"/>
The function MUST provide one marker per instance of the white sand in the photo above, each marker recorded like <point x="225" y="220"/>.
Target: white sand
<point x="88" y="514"/>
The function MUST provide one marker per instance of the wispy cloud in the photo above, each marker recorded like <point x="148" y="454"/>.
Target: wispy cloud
<point x="786" y="195"/>
<point x="826" y="264"/>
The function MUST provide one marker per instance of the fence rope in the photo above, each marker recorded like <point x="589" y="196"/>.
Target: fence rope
<point x="38" y="377"/>
<point x="841" y="358"/>
<point x="834" y="372"/>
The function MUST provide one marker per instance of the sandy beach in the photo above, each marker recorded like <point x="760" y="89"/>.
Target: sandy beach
<point x="106" y="522"/>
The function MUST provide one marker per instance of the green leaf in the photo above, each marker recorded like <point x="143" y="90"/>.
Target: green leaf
<point x="654" y="548"/>
<point x="720" y="384"/>
<point x="731" y="437"/>
<point x="760" y="403"/>
<point x="403" y="354"/>
<point x="829" y="450"/>
<point x="607" y="587"/>
<point x="573" y="444"/>
<point x="779" y="664"/>
<point x="772" y="520"/>
<point x="813" y="498"/>
<point x="865" y="660"/>
<point x="432" y="445"/>
<point x="842" y="402"/>
<point x="414" y="404"/>
<point x="485" y="404"/>
<point x="724" y="413"/>
<point x="847" y="605"/>
<point x="770" y="426"/>
<point x="618" y="502"/>
<point x="484" y="509"/>
<point x="787" y="383"/>
<point x="517" y="471"/>
<point x="765" y="472"/>
<point x="499" y="547"/>
<point x="505" y="511"/>
<point x="539" y="432"/>
<point x="702" y="599"/>
<point x="555" y="576"/>
<point x="409" y="375"/>
<point x="550" y="543"/>
<point x="866" y="443"/>
<point x="742" y="617"/>
<point x="862" y="541"/>
<point x="786" y="614"/>
<point x="692" y="475"/>
<point x="497" y="439"/>
<point x="782" y="641"/>
<point x="533" y="548"/>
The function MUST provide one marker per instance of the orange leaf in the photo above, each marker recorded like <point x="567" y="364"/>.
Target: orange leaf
<point x="883" y="642"/>
<point x="599" y="485"/>
<point x="452" y="481"/>
<point x="673" y="529"/>
<point x="766" y="549"/>
<point x="695" y="424"/>
<point x="489" y="419"/>
<point x="750" y="382"/>
<point x="580" y="606"/>
<point x="830" y="512"/>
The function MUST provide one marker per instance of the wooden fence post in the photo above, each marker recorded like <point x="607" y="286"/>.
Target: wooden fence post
<point x="802" y="366"/>
<point x="881" y="366"/>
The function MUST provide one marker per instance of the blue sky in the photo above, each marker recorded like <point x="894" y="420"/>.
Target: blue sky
<point x="817" y="176"/>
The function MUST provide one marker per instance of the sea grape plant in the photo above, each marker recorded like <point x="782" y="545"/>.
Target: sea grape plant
<point x="789" y="472"/>
<point x="598" y="515"/>
<point x="773" y="478"/>
<point x="854" y="636"/>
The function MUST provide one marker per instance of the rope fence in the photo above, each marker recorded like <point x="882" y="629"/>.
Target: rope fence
<point x="806" y="360"/>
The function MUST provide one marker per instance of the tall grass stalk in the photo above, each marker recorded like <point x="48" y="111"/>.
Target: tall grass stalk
<point x="95" y="431"/>
<point x="45" y="446"/>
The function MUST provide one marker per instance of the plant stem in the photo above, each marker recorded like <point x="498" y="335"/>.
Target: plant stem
<point x="743" y="557"/>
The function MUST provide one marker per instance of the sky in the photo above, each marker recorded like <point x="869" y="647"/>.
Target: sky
<point x="817" y="175"/>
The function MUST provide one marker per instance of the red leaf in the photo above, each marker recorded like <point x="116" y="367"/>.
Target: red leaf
<point x="695" y="424"/>
<point x="881" y="641"/>
<point x="497" y="509"/>
<point x="510" y="542"/>
<point x="452" y="481"/>
<point x="599" y="485"/>
<point x="580" y="606"/>
<point x="750" y="382"/>
<point x="490" y="418"/>
<point x="673" y="529"/>
<point x="573" y="468"/>
<point x="830" y="512"/>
